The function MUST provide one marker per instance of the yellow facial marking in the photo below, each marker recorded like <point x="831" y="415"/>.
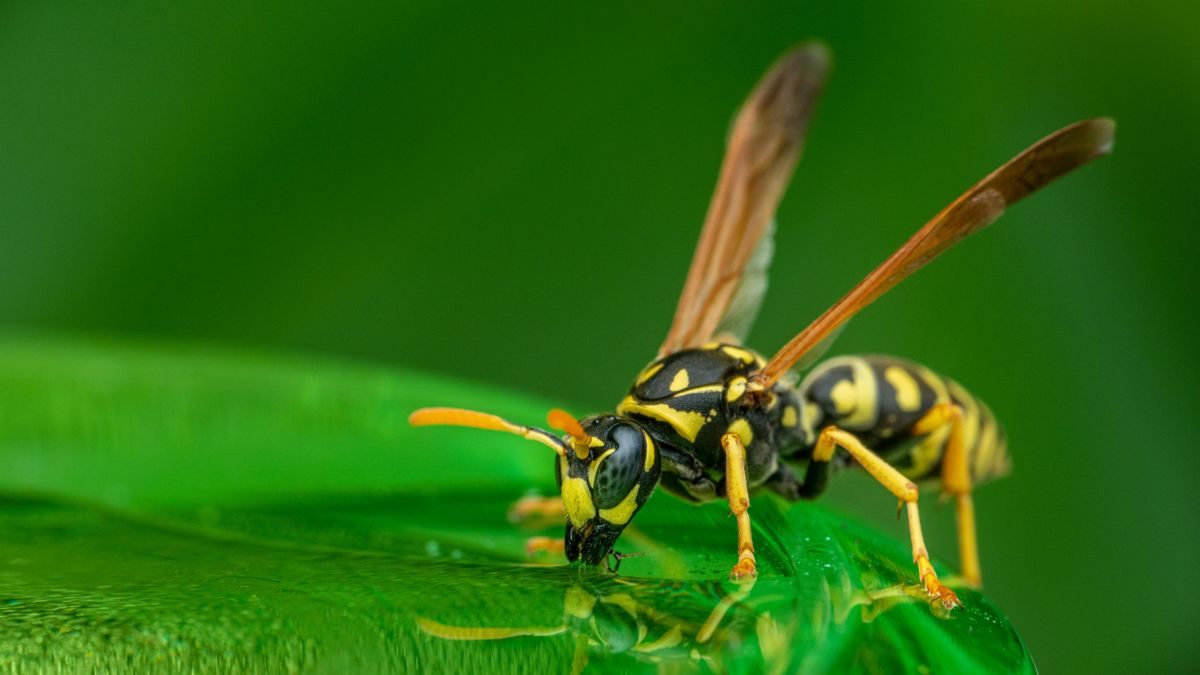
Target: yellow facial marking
<point x="621" y="513"/>
<point x="577" y="501"/>
<point x="790" y="418"/>
<point x="745" y="355"/>
<point x="649" y="451"/>
<point x="908" y="394"/>
<point x="680" y="381"/>
<point x="737" y="387"/>
<point x="742" y="429"/>
<point x="595" y="466"/>
<point x="649" y="372"/>
<point x="686" y="424"/>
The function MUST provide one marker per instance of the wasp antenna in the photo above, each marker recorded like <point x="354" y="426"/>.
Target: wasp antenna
<point x="457" y="417"/>
<point x="565" y="422"/>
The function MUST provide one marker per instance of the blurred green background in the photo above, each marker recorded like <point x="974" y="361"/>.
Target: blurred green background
<point x="415" y="185"/>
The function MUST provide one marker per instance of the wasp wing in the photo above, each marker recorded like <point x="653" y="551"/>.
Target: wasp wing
<point x="764" y="144"/>
<point x="1053" y="156"/>
<point x="747" y="298"/>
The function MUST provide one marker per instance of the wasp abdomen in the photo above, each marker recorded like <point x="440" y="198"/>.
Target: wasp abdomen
<point x="880" y="398"/>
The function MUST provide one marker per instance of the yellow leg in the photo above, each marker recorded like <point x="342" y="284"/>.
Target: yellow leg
<point x="739" y="502"/>
<point x="552" y="545"/>
<point x="904" y="489"/>
<point x="531" y="508"/>
<point x="968" y="547"/>
<point x="446" y="632"/>
<point x="956" y="481"/>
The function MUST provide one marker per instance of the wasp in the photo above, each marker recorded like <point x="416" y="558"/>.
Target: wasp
<point x="630" y="618"/>
<point x="662" y="622"/>
<point x="710" y="419"/>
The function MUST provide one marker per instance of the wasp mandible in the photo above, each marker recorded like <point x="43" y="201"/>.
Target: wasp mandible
<point x="711" y="419"/>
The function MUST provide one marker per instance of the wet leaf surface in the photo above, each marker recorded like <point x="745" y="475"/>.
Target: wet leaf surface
<point x="176" y="509"/>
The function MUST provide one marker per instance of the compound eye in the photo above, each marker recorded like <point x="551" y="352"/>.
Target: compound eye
<point x="619" y="472"/>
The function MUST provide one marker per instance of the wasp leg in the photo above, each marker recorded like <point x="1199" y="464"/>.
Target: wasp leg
<point x="717" y="615"/>
<point x="956" y="481"/>
<point x="816" y="478"/>
<point x="686" y="472"/>
<point x="534" y="545"/>
<point x="580" y="659"/>
<point x="785" y="483"/>
<point x="904" y="489"/>
<point x="539" y="508"/>
<point x="739" y="502"/>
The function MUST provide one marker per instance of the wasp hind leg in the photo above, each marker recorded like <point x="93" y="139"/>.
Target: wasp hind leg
<point x="956" y="481"/>
<point x="904" y="489"/>
<point x="785" y="483"/>
<point x="738" y="492"/>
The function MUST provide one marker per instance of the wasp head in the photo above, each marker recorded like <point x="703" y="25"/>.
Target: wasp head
<point x="606" y="477"/>
<point x="607" y="466"/>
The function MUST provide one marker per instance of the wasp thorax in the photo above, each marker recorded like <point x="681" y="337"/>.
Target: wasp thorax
<point x="604" y="487"/>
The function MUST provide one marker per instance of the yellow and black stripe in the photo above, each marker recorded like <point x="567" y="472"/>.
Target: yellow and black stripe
<point x="880" y="398"/>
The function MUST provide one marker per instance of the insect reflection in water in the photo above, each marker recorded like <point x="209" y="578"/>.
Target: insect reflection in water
<point x="707" y="624"/>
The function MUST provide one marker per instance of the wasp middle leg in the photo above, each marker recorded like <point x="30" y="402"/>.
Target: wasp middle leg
<point x="738" y="492"/>
<point x="903" y="488"/>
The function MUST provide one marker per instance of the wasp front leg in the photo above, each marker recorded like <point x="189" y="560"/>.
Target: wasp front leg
<point x="536" y="512"/>
<point x="738" y="492"/>
<point x="904" y="489"/>
<point x="538" y="509"/>
<point x="540" y="544"/>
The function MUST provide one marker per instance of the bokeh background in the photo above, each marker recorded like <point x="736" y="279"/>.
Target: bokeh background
<point x="511" y="195"/>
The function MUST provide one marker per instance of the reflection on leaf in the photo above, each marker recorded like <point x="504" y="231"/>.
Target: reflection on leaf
<point x="690" y="625"/>
<point x="214" y="513"/>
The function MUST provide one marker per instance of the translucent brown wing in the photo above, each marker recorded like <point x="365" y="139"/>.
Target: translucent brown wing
<point x="742" y="308"/>
<point x="763" y="147"/>
<point x="1053" y="156"/>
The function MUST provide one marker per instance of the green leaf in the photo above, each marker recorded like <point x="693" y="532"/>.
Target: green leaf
<point x="184" y="509"/>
